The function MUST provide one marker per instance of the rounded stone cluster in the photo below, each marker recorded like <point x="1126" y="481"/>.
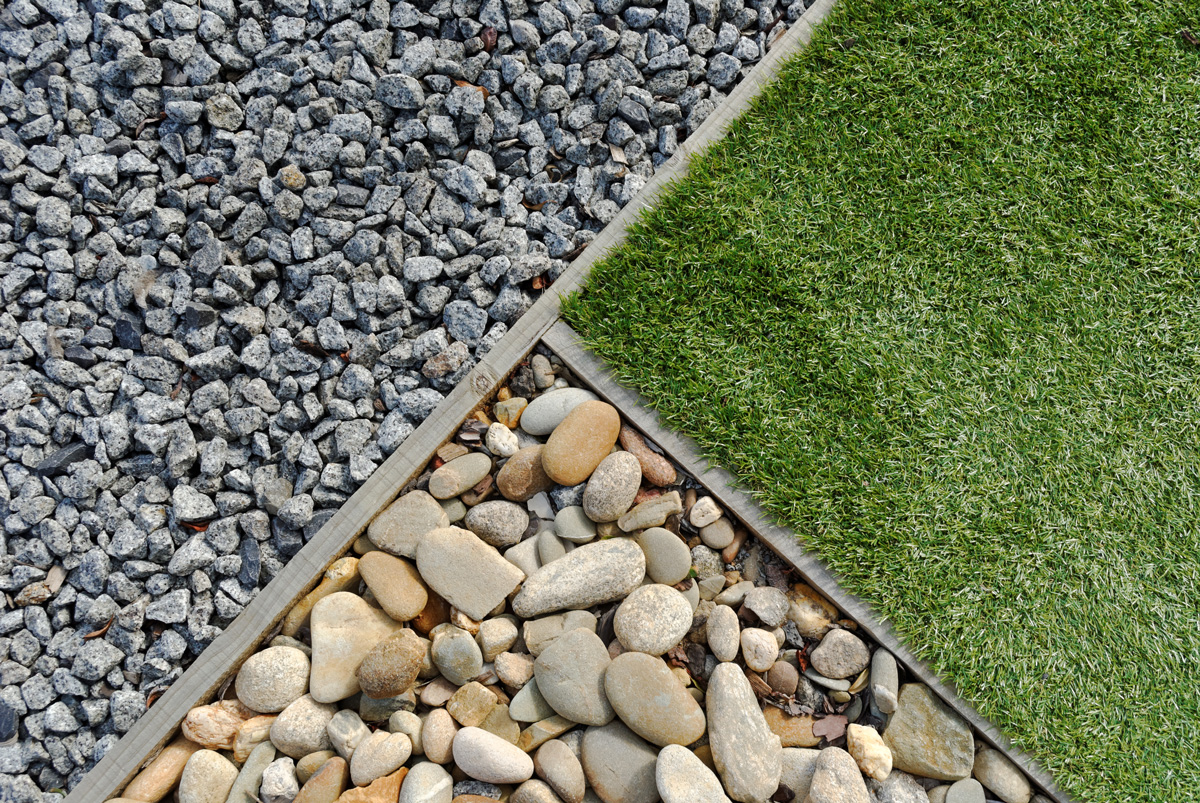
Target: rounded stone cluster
<point x="497" y="635"/>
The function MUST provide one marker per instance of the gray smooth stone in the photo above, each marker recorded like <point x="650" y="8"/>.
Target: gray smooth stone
<point x="747" y="754"/>
<point x="589" y="575"/>
<point x="250" y="778"/>
<point x="619" y="765"/>
<point x="548" y="410"/>
<point x="570" y="676"/>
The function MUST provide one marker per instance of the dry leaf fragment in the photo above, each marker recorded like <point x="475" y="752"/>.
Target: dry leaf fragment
<point x="101" y="631"/>
<point x="483" y="89"/>
<point x="831" y="727"/>
<point x="488" y="36"/>
<point x="617" y="153"/>
<point x="1190" y="38"/>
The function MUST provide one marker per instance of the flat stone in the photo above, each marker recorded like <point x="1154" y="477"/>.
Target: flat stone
<point x="300" y="728"/>
<point x="499" y="522"/>
<point x="469" y="574"/>
<point x="866" y="747"/>
<point x="380" y="790"/>
<point x="836" y="779"/>
<point x="271" y="680"/>
<point x="397" y="586"/>
<point x="528" y="705"/>
<point x="346" y="732"/>
<point x="392" y="665"/>
<point x="799" y="764"/>
<point x="570" y="676"/>
<point x="792" y="731"/>
<point x="548" y="410"/>
<point x="326" y="784"/>
<point x="885" y="680"/>
<point x="898" y="787"/>
<point x="379" y="755"/>
<point x="456" y="654"/>
<point x="207" y="778"/>
<point x="522" y="476"/>
<point x="161" y="774"/>
<point x="307" y="766"/>
<point x="578" y="444"/>
<point x="400" y="528"/>
<point x="1000" y="775"/>
<point x="501" y="724"/>
<point x="619" y="765"/>
<point x="928" y="738"/>
<point x="968" y="790"/>
<point x="250" y="777"/>
<point x="717" y="535"/>
<point x="459" y="475"/>
<point x="651" y="513"/>
<point x="745" y="751"/>
<point x="342" y="575"/>
<point x="557" y="765"/>
<point x="486" y="757"/>
<point x="471" y="704"/>
<point x="651" y="701"/>
<point x="612" y="487"/>
<point x="427" y="783"/>
<point x="539" y="733"/>
<point x="589" y="575"/>
<point x="724" y="633"/>
<point x="656" y="468"/>
<point x="437" y="736"/>
<point x="344" y="629"/>
<point x="683" y="778"/>
<point x="841" y="654"/>
<point x="652" y="619"/>
<point x="668" y="559"/>
<point x="769" y="604"/>
<point x="572" y="524"/>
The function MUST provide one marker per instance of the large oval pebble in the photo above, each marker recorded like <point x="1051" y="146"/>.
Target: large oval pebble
<point x="577" y="445"/>
<point x="668" y="560"/>
<point x="548" y="410"/>
<point x="570" y="677"/>
<point x="488" y="758"/>
<point x="747" y="754"/>
<point x="588" y="575"/>
<point x="612" y="487"/>
<point x="469" y="574"/>
<point x="683" y="778"/>
<point x="652" y="619"/>
<point x="498" y="522"/>
<point x="651" y="701"/>
<point x="395" y="583"/>
<point x="522" y="476"/>
<point x="271" y="680"/>
<point x="459" y="475"/>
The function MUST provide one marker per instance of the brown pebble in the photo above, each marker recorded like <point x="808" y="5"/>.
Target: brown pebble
<point x="783" y="677"/>
<point x="341" y="576"/>
<point x="327" y="784"/>
<point x="522" y="476"/>
<point x="380" y="790"/>
<point x="392" y="666"/>
<point x="153" y="783"/>
<point x="395" y="583"/>
<point x="307" y="766"/>
<point x="792" y="731"/>
<point x="580" y="442"/>
<point x="435" y="612"/>
<point x="655" y="468"/>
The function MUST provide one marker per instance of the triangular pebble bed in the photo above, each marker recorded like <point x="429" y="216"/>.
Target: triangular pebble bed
<point x="553" y="611"/>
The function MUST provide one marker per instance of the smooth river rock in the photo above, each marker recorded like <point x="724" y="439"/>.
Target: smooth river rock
<point x="499" y="522"/>
<point x="344" y="629"/>
<point x="427" y="783"/>
<point x="683" y="778"/>
<point x="841" y="654"/>
<point x="652" y="619"/>
<point x="300" y="728"/>
<point x="619" y="764"/>
<point x="522" y="476"/>
<point x="469" y="574"/>
<point x="397" y="586"/>
<point x="400" y="528"/>
<point x="380" y="754"/>
<point x="928" y="738"/>
<point x="548" y="410"/>
<point x="156" y="780"/>
<point x="459" y="475"/>
<point x="578" y="444"/>
<point x="588" y="575"/>
<point x="668" y="559"/>
<point x="392" y="665"/>
<point x="557" y="765"/>
<point x="649" y="699"/>
<point x="572" y="524"/>
<point x="1000" y="775"/>
<point x="612" y="487"/>
<point x="486" y="757"/>
<point x="724" y="633"/>
<point x="836" y="779"/>
<point x="271" y="680"/>
<point x="747" y="754"/>
<point x="207" y="778"/>
<point x="570" y="677"/>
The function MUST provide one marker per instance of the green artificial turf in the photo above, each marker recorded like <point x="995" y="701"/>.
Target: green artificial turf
<point x="935" y="301"/>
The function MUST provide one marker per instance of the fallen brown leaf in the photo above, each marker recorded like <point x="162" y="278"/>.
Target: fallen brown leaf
<point x="831" y="727"/>
<point x="101" y="631"/>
